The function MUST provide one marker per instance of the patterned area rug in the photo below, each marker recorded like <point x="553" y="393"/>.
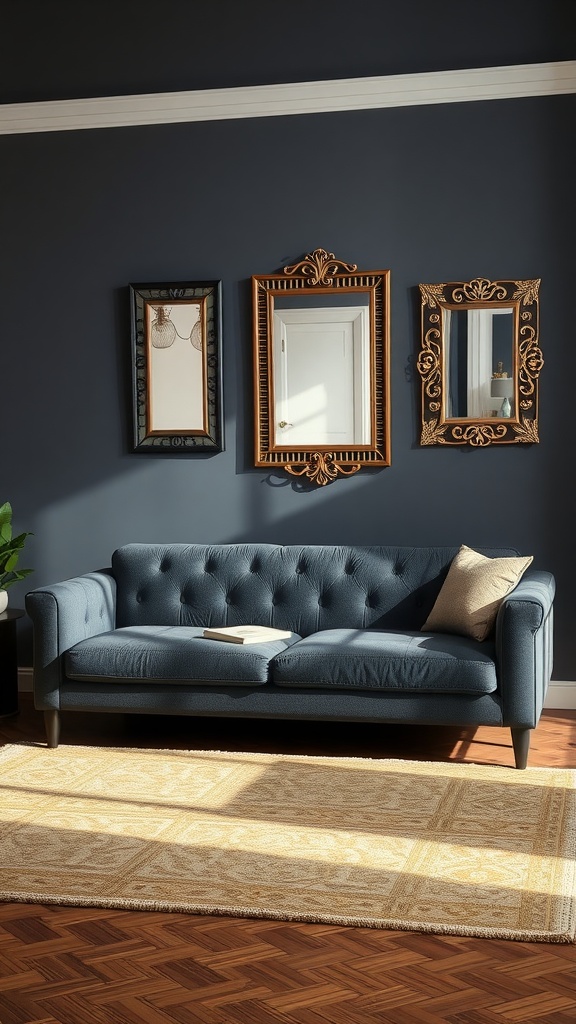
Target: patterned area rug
<point x="432" y="847"/>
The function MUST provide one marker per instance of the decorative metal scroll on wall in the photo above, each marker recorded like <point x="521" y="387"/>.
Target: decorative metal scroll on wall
<point x="517" y="420"/>
<point x="340" y="289"/>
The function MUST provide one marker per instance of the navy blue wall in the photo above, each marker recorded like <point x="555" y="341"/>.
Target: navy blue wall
<point x="418" y="190"/>
<point x="64" y="49"/>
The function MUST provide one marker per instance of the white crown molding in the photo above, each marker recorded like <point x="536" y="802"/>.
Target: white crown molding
<point x="512" y="82"/>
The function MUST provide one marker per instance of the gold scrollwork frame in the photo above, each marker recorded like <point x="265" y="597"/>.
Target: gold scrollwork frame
<point x="321" y="273"/>
<point x="480" y="293"/>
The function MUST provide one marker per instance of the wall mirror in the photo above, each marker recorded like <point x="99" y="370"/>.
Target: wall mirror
<point x="480" y="362"/>
<point x="321" y="368"/>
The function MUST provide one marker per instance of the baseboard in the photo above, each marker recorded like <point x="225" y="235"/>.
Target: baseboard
<point x="561" y="695"/>
<point x="25" y="680"/>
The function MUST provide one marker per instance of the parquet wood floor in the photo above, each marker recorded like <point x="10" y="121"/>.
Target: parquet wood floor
<point x="67" y="965"/>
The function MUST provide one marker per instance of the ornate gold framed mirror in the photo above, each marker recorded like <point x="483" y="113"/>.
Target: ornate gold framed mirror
<point x="480" y="362"/>
<point x="321" y="368"/>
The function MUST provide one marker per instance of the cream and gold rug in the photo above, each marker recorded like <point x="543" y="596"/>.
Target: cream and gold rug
<point x="419" y="846"/>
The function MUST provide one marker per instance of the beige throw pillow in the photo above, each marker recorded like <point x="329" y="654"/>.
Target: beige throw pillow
<point x="473" y="592"/>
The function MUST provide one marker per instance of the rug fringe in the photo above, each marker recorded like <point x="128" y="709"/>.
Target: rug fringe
<point x="441" y="764"/>
<point x="199" y="909"/>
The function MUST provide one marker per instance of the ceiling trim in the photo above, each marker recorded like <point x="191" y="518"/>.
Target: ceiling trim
<point x="511" y="82"/>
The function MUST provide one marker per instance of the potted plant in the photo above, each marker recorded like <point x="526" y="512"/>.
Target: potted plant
<point x="10" y="548"/>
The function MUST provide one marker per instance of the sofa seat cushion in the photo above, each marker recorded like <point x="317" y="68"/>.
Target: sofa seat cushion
<point x="388" y="660"/>
<point x="177" y="654"/>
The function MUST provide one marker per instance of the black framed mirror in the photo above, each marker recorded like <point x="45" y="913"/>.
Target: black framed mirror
<point x="480" y="362"/>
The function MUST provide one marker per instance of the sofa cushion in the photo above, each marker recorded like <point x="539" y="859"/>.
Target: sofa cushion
<point x="387" y="660"/>
<point x="472" y="593"/>
<point x="177" y="654"/>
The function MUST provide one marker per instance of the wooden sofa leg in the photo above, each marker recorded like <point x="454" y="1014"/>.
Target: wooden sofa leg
<point x="52" y="725"/>
<point x="521" y="744"/>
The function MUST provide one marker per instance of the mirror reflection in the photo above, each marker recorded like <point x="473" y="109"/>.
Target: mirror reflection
<point x="479" y="354"/>
<point x="321" y="360"/>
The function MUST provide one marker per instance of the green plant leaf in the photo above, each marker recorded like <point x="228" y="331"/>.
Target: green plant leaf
<point x="5" y="514"/>
<point x="6" y="522"/>
<point x="7" y="553"/>
<point x="19" y="541"/>
<point x="10" y="549"/>
<point x="8" y="579"/>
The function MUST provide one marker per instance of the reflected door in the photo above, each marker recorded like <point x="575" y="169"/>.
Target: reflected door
<point x="320" y="378"/>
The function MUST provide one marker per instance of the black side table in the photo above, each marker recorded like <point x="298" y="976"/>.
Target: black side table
<point x="9" y="662"/>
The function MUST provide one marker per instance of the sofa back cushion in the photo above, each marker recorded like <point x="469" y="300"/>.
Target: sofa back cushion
<point x="296" y="587"/>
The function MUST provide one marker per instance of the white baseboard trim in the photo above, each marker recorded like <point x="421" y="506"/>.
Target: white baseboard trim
<point x="561" y="695"/>
<point x="495" y="83"/>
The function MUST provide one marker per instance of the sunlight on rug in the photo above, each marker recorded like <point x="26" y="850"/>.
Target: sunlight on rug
<point x="417" y="846"/>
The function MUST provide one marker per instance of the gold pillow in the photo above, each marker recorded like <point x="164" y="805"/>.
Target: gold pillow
<point x="473" y="592"/>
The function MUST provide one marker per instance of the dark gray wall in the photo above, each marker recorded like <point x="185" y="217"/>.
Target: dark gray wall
<point x="415" y="189"/>
<point x="63" y="49"/>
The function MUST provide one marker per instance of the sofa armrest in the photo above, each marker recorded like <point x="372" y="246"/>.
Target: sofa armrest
<point x="62" y="614"/>
<point x="524" y="647"/>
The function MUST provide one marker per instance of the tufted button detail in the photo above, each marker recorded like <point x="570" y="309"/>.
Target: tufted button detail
<point x="398" y="569"/>
<point x="139" y="598"/>
<point x="255" y="566"/>
<point x="349" y="568"/>
<point x="165" y="565"/>
<point x="301" y="568"/>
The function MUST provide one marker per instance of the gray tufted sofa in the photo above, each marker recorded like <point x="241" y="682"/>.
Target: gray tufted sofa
<point x="129" y="639"/>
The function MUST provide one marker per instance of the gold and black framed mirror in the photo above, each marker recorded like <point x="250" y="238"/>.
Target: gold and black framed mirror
<point x="480" y="362"/>
<point x="321" y="368"/>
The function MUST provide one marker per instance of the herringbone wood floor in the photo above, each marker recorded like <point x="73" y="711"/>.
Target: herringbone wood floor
<point x="62" y="965"/>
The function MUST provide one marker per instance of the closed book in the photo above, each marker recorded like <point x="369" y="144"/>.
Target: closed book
<point x="246" y="634"/>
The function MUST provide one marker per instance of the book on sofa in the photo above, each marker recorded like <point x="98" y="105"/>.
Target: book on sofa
<point x="246" y="634"/>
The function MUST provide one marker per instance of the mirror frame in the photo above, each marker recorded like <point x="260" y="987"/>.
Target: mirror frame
<point x="480" y="293"/>
<point x="320" y="273"/>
